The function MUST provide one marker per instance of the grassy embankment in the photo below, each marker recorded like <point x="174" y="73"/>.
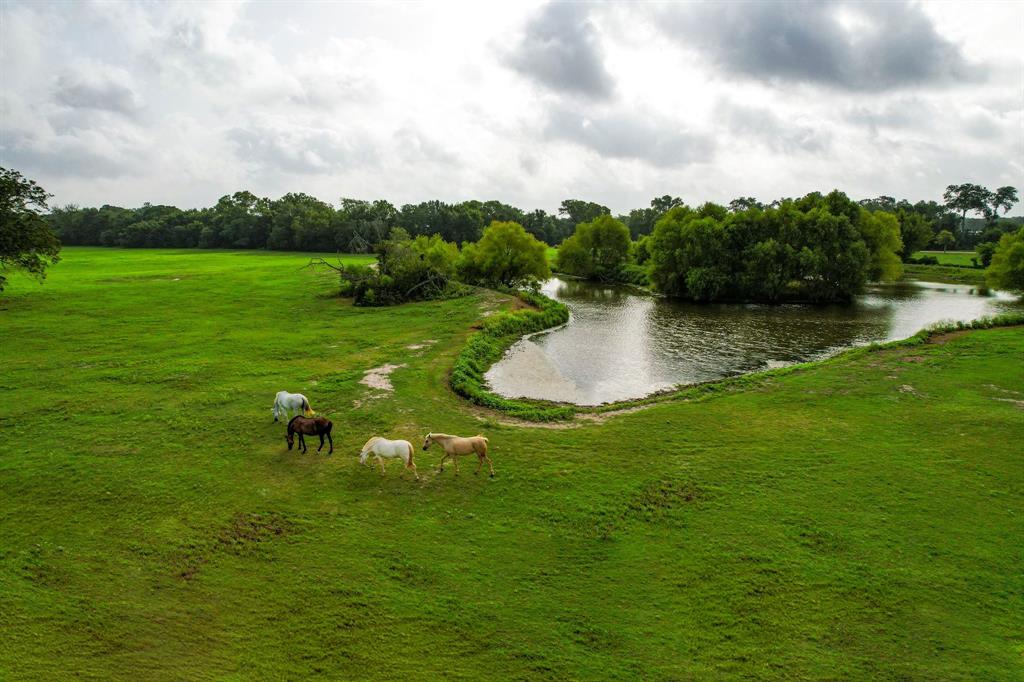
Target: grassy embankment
<point x="861" y="518"/>
<point x="954" y="267"/>
<point x="962" y="258"/>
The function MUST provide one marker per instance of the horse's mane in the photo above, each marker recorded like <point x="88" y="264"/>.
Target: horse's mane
<point x="372" y="438"/>
<point x="446" y="435"/>
<point x="292" y="420"/>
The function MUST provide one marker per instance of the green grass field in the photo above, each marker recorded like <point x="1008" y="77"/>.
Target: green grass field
<point x="857" y="519"/>
<point x="950" y="257"/>
<point x="944" y="273"/>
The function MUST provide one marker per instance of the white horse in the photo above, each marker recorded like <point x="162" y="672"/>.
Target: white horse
<point x="382" y="448"/>
<point x="286" y="402"/>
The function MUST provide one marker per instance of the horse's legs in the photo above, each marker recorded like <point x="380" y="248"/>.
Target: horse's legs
<point x="331" y="451"/>
<point x="321" y="443"/>
<point x="302" y="442"/>
<point x="414" y="471"/>
<point x="380" y="461"/>
<point x="455" y="458"/>
<point x="440" y="466"/>
<point x="490" y="464"/>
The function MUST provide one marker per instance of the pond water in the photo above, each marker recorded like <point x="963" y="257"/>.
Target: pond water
<point x="620" y="344"/>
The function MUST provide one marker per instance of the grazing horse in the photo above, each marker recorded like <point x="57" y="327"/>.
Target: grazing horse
<point x="456" y="446"/>
<point x="285" y="403"/>
<point x="391" y="449"/>
<point x="309" y="426"/>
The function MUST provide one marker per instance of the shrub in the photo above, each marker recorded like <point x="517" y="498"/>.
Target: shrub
<point x="486" y="347"/>
<point x="407" y="270"/>
<point x="596" y="250"/>
<point x="819" y="248"/>
<point x="1007" y="268"/>
<point x="506" y="256"/>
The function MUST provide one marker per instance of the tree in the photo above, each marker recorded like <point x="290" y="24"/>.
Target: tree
<point x="640" y="221"/>
<point x="945" y="239"/>
<point x="26" y="240"/>
<point x="743" y="203"/>
<point x="967" y="197"/>
<point x="506" y="255"/>
<point x="915" y="232"/>
<point x="819" y="247"/>
<point x="579" y="211"/>
<point x="1004" y="198"/>
<point x="1007" y="268"/>
<point x="881" y="233"/>
<point x="597" y="250"/>
<point x="985" y="251"/>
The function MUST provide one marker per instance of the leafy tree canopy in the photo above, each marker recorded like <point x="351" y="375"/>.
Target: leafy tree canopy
<point x="26" y="241"/>
<point x="506" y="255"/>
<point x="1007" y="268"/>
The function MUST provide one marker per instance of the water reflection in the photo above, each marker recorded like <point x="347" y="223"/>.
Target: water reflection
<point x="621" y="345"/>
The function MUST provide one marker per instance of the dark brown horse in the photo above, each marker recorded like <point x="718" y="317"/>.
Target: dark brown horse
<point x="309" y="426"/>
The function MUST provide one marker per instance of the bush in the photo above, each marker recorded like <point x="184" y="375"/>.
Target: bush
<point x="407" y="270"/>
<point x="817" y="248"/>
<point x="1007" y="268"/>
<point x="486" y="347"/>
<point x="597" y="250"/>
<point x="630" y="273"/>
<point x="506" y="256"/>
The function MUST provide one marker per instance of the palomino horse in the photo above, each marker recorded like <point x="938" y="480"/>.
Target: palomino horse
<point x="285" y="403"/>
<point x="456" y="446"/>
<point x="382" y="448"/>
<point x="309" y="426"/>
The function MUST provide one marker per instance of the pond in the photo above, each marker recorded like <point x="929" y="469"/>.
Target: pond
<point x="620" y="344"/>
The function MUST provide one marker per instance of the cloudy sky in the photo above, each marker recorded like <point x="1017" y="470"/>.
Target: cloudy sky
<point x="181" y="103"/>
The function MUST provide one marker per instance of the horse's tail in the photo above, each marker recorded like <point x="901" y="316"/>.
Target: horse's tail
<point x="306" y="408"/>
<point x="410" y="464"/>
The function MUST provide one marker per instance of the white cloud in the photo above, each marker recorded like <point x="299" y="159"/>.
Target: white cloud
<point x="184" y="102"/>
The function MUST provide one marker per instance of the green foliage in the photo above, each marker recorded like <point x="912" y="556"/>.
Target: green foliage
<point x="597" y="250"/>
<point x="818" y="248"/>
<point x="26" y="241"/>
<point x="881" y="233"/>
<point x="915" y="232"/>
<point x="407" y="269"/>
<point x="1007" y="268"/>
<point x="640" y="250"/>
<point x="486" y="347"/>
<point x="985" y="250"/>
<point x="578" y="211"/>
<point x="505" y="256"/>
<point x="965" y="198"/>
<point x="1003" y="198"/>
<point x="944" y="239"/>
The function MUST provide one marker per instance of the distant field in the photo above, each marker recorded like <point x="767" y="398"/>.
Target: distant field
<point x="859" y="519"/>
<point x="950" y="257"/>
<point x="944" y="273"/>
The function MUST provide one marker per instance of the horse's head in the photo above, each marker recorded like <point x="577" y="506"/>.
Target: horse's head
<point x="290" y="439"/>
<point x="428" y="441"/>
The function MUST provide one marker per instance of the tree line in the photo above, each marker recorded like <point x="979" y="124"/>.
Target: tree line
<point x="817" y="247"/>
<point x="300" y="222"/>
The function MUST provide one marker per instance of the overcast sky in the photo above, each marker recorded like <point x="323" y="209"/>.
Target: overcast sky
<point x="526" y="103"/>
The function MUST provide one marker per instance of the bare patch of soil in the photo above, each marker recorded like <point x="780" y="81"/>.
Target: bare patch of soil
<point x="379" y="378"/>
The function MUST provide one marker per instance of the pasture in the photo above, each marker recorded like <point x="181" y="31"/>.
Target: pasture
<point x="858" y="518"/>
<point x="950" y="257"/>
